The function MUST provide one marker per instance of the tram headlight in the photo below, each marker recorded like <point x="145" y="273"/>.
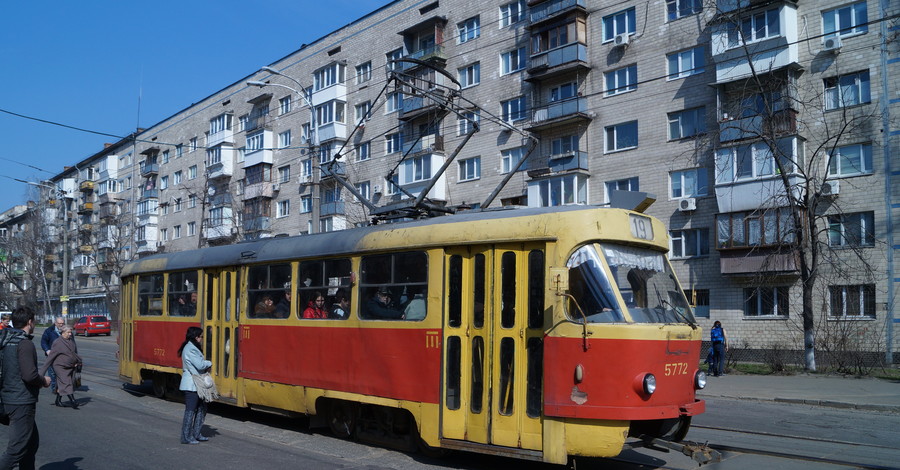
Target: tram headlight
<point x="700" y="380"/>
<point x="649" y="384"/>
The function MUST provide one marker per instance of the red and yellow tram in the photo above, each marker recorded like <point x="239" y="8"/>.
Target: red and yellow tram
<point x="533" y="333"/>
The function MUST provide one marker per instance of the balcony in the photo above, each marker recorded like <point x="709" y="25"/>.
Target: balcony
<point x="434" y="54"/>
<point x="765" y="55"/>
<point x="332" y="208"/>
<point x="107" y="198"/>
<point x="85" y="208"/>
<point x="429" y="143"/>
<point x="550" y="10"/>
<point x="148" y="217"/>
<point x="86" y="249"/>
<point x="334" y="92"/>
<point x="220" y="200"/>
<point x="222" y="137"/>
<point x="337" y="169"/>
<point x="86" y="186"/>
<point x="755" y="193"/>
<point x="566" y="59"/>
<point x="415" y="106"/>
<point x="223" y="229"/>
<point x="781" y="123"/>
<point x="569" y="161"/>
<point x="264" y="189"/>
<point x="149" y="169"/>
<point x="257" y="224"/>
<point x="150" y="194"/>
<point x="559" y="113"/>
<point x="753" y="261"/>
<point x="331" y="131"/>
<point x="257" y="122"/>
<point x="224" y="167"/>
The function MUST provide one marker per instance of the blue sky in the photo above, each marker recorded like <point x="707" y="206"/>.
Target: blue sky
<point x="85" y="64"/>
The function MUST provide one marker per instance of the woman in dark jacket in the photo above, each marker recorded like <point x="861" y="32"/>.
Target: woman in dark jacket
<point x="64" y="359"/>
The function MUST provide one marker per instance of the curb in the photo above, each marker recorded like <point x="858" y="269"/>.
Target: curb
<point x="814" y="402"/>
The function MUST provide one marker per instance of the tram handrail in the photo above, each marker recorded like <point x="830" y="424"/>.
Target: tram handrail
<point x="584" y="332"/>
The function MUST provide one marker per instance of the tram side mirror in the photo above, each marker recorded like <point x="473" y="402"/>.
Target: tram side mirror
<point x="559" y="279"/>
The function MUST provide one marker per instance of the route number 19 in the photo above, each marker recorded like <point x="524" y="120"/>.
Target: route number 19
<point x="641" y="227"/>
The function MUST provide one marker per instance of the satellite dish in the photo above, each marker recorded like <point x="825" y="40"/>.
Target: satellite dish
<point x="211" y="191"/>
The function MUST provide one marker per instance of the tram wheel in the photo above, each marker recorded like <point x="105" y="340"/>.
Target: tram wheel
<point x="342" y="417"/>
<point x="159" y="385"/>
<point x="675" y="429"/>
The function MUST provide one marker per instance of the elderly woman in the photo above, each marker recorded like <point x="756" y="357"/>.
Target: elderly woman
<point x="64" y="359"/>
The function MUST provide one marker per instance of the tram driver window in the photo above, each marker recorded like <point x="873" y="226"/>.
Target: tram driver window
<point x="324" y="289"/>
<point x="150" y="295"/>
<point x="182" y="294"/>
<point x="268" y="289"/>
<point x="592" y="296"/>
<point x="394" y="286"/>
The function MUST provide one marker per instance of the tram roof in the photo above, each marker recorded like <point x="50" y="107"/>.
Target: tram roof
<point x="330" y="243"/>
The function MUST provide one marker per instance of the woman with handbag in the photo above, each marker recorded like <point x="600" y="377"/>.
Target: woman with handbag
<point x="194" y="365"/>
<point x="63" y="357"/>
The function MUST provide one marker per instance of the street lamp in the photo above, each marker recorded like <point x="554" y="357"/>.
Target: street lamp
<point x="64" y="297"/>
<point x="313" y="135"/>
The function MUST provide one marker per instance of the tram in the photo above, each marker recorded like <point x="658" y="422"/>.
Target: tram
<point x="536" y="333"/>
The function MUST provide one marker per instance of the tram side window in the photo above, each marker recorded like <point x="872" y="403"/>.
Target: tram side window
<point x="536" y="289"/>
<point x="268" y="289"/>
<point x="182" y="294"/>
<point x="394" y="286"/>
<point x="324" y="289"/>
<point x="150" y="295"/>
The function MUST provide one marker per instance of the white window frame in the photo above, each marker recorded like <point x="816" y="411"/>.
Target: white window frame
<point x="515" y="109"/>
<point x="469" y="169"/>
<point x="393" y="102"/>
<point x="285" y="104"/>
<point x="512" y="13"/>
<point x="840" y="90"/>
<point x="624" y="184"/>
<point x="192" y="172"/>
<point x="255" y="141"/>
<point x="284" y="139"/>
<point x="176" y="232"/>
<point x="176" y="178"/>
<point x="513" y="61"/>
<point x="509" y="158"/>
<point x="464" y="123"/>
<point x="563" y="190"/>
<point x="687" y="123"/>
<point x="693" y="182"/>
<point x="468" y="30"/>
<point x="857" y="15"/>
<point x="761" y="25"/>
<point x="677" y="9"/>
<point x="611" y="137"/>
<point x="362" y="110"/>
<point x="306" y="204"/>
<point x="163" y="182"/>
<point x="620" y="22"/>
<point x="852" y="230"/>
<point x="393" y="142"/>
<point x="677" y="66"/>
<point x="364" y="151"/>
<point x="416" y="169"/>
<point x="469" y="75"/>
<point x="688" y="243"/>
<point x="191" y="228"/>
<point x="621" y="80"/>
<point x="862" y="294"/>
<point x="283" y="209"/>
<point x="284" y="174"/>
<point x="858" y="163"/>
<point x="328" y="76"/>
<point x="363" y="72"/>
<point x="775" y="292"/>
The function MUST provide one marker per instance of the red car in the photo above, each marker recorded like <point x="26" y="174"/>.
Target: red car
<point x="92" y="325"/>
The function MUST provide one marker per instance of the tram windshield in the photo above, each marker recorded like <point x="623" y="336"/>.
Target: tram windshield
<point x="643" y="278"/>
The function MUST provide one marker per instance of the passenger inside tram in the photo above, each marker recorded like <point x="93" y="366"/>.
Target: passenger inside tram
<point x="381" y="306"/>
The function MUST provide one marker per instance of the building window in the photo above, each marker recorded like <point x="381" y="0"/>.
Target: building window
<point x="193" y="144"/>
<point x="621" y="80"/>
<point x="689" y="183"/>
<point x="562" y="190"/>
<point x="756" y="160"/>
<point x="512" y="13"/>
<point x="393" y="102"/>
<point x="363" y="72"/>
<point x="766" y="301"/>
<point x="847" y="90"/>
<point x="466" y="123"/>
<point x="178" y="204"/>
<point x="852" y="301"/>
<point x="687" y="123"/>
<point x="686" y="63"/>
<point x="688" y="243"/>
<point x="393" y="188"/>
<point x="165" y="156"/>
<point x="753" y="28"/>
<point x="164" y="234"/>
<point x="243" y="122"/>
<point x="192" y="201"/>
<point x="393" y="142"/>
<point x="283" y="209"/>
<point x="699" y="300"/>
<point x="306" y="204"/>
<point x="362" y="111"/>
<point x="846" y="20"/>
<point x="284" y="174"/>
<point x="470" y="169"/>
<point x="284" y="139"/>
<point x="192" y="172"/>
<point x="627" y="184"/>
<point x="177" y="177"/>
<point x="514" y="109"/>
<point x="416" y="169"/>
<point x="363" y="151"/>
<point x="468" y="30"/>
<point x="365" y="190"/>
<point x="470" y="75"/>
<point x="852" y="229"/>
<point x="285" y="104"/>
<point x="332" y="111"/>
<point x="563" y="92"/>
<point x="758" y="228"/>
<point x="510" y="158"/>
<point x="306" y="168"/>
<point x="163" y="182"/>
<point x="622" y="136"/>
<point x="563" y="146"/>
<point x="179" y="150"/>
<point x="255" y="142"/>
<point x="191" y="228"/>
<point x="392" y="56"/>
<point x="513" y="61"/>
<point x="176" y="232"/>
<point x="681" y="8"/>
<point x="622" y="22"/>
<point x="330" y="75"/>
<point x="851" y="160"/>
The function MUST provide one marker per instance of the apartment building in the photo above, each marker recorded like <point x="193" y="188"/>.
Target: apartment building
<point x="730" y="112"/>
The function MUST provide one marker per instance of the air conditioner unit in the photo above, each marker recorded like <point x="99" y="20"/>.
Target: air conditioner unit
<point x="688" y="204"/>
<point x="832" y="44"/>
<point x="621" y="39"/>
<point x="276" y="187"/>
<point x="831" y="188"/>
<point x="376" y="189"/>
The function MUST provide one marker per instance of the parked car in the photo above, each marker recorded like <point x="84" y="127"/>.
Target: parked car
<point x="92" y="325"/>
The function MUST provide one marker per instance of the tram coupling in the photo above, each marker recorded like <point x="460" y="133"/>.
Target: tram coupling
<point x="700" y="453"/>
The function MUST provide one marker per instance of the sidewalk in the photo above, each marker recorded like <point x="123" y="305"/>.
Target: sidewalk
<point x="837" y="392"/>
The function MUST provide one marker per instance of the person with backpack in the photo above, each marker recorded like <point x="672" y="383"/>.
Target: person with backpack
<point x="719" y="340"/>
<point x="19" y="387"/>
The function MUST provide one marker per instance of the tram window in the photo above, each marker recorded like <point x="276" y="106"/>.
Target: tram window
<point x="508" y="285"/>
<point x="266" y="287"/>
<point x="228" y="302"/>
<point x="182" y="294"/>
<point x="533" y="399"/>
<point x="477" y="402"/>
<point x="454" y="295"/>
<point x="328" y="280"/>
<point x="478" y="292"/>
<point x="150" y="295"/>
<point x="227" y="352"/>
<point x="208" y="347"/>
<point x="453" y="372"/>
<point x="237" y="298"/>
<point x="507" y="376"/>
<point x="592" y="296"/>
<point x="394" y="286"/>
<point x="536" y="289"/>
<point x="209" y="287"/>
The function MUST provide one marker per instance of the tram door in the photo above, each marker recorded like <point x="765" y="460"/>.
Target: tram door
<point x="493" y="345"/>
<point x="220" y="327"/>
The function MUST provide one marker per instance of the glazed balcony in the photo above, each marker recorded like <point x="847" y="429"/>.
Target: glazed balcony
<point x="257" y="224"/>
<point x="415" y="106"/>
<point x="86" y="186"/>
<point x="149" y="169"/>
<point x="223" y="229"/>
<point x="566" y="59"/>
<point x="736" y="61"/>
<point x="559" y="113"/>
<point x="265" y="189"/>
<point x="550" y="10"/>
<point x="779" y="124"/>
<point x="430" y="143"/>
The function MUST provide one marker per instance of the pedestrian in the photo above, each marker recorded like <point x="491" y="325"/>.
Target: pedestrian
<point x="64" y="360"/>
<point x="19" y="392"/>
<point x="47" y="339"/>
<point x="193" y="363"/>
<point x="719" y="339"/>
